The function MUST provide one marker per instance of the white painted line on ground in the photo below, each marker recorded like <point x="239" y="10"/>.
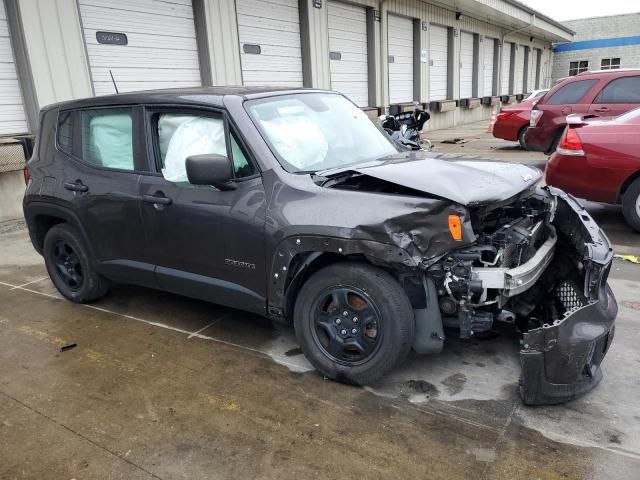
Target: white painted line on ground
<point x="29" y="283"/>
<point x="203" y="328"/>
<point x="157" y="324"/>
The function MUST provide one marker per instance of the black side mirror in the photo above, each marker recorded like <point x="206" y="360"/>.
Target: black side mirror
<point x="210" y="169"/>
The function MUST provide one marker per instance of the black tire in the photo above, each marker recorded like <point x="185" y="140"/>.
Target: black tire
<point x="70" y="267"/>
<point x="631" y="205"/>
<point x="371" y="293"/>
<point x="521" y="134"/>
<point x="554" y="143"/>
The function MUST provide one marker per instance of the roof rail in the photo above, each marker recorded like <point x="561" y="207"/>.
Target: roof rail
<point x="589" y="72"/>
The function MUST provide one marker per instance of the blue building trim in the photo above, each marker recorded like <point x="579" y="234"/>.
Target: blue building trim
<point x="599" y="43"/>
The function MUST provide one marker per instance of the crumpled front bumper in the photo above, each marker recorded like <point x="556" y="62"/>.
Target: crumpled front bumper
<point x="561" y="361"/>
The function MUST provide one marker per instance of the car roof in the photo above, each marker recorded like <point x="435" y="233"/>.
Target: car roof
<point x="613" y="72"/>
<point x="212" y="96"/>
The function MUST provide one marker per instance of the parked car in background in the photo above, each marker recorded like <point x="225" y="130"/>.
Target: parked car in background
<point x="599" y="160"/>
<point x="512" y="121"/>
<point x="600" y="93"/>
<point x="536" y="94"/>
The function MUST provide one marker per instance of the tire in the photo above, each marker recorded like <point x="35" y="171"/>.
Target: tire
<point x="631" y="205"/>
<point x="554" y="143"/>
<point x="70" y="267"/>
<point x="378" y="310"/>
<point x="521" y="134"/>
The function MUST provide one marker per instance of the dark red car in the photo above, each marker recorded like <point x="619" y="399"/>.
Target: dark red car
<point x="603" y="93"/>
<point x="599" y="160"/>
<point x="512" y="121"/>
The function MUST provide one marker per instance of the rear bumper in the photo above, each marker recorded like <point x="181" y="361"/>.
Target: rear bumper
<point x="506" y="131"/>
<point x="561" y="360"/>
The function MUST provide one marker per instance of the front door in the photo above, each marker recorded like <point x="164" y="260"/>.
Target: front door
<point x="206" y="243"/>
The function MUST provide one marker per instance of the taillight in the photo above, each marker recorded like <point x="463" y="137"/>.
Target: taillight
<point x="27" y="175"/>
<point x="570" y="143"/>
<point x="535" y="117"/>
<point x="492" y="119"/>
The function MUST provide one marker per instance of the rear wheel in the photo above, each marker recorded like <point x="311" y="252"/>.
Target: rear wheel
<point x="631" y="205"/>
<point x="69" y="266"/>
<point x="521" y="134"/>
<point x="354" y="322"/>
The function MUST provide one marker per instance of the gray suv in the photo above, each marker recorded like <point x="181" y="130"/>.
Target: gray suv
<point x="292" y="204"/>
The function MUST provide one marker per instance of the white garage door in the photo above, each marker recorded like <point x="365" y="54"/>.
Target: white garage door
<point x="161" y="50"/>
<point x="519" y="73"/>
<point x="487" y="67"/>
<point x="12" y="116"/>
<point x="438" y="62"/>
<point x="506" y="68"/>
<point x="348" y="51"/>
<point x="270" y="49"/>
<point x="534" y="70"/>
<point x="400" y="40"/>
<point x="466" y="65"/>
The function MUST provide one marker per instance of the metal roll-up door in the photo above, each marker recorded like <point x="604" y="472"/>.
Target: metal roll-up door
<point x="466" y="65"/>
<point x="438" y="62"/>
<point x="400" y="41"/>
<point x="12" y="115"/>
<point x="487" y="67"/>
<point x="146" y="44"/>
<point x="518" y="86"/>
<point x="270" y="48"/>
<point x="534" y="70"/>
<point x="348" y="51"/>
<point x="505" y="68"/>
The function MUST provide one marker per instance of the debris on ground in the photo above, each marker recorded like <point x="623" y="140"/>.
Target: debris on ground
<point x="455" y="141"/>
<point x="629" y="258"/>
<point x="64" y="348"/>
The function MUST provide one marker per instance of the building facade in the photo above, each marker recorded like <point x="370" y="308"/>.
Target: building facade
<point x="456" y="58"/>
<point x="600" y="43"/>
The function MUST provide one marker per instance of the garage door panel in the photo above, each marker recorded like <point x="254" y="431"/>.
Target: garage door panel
<point x="505" y="68"/>
<point x="466" y="65"/>
<point x="487" y="67"/>
<point x="12" y="115"/>
<point x="161" y="51"/>
<point x="400" y="45"/>
<point x="519" y="70"/>
<point x="348" y="36"/>
<point x="274" y="26"/>
<point x="439" y="60"/>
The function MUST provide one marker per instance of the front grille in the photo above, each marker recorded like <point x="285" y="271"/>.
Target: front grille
<point x="569" y="296"/>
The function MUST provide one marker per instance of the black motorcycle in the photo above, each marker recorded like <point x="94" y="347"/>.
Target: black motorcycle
<point x="406" y="128"/>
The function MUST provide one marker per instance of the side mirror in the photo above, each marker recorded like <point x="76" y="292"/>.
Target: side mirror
<point x="210" y="169"/>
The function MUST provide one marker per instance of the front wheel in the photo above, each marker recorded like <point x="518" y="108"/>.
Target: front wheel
<point x="354" y="322"/>
<point x="631" y="205"/>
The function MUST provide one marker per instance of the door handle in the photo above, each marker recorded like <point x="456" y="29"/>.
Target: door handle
<point x="76" y="187"/>
<point x="157" y="200"/>
<point x="602" y="109"/>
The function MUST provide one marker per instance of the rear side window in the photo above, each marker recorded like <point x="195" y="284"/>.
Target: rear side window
<point x="571" y="93"/>
<point x="620" y="90"/>
<point x="107" y="137"/>
<point x="65" y="132"/>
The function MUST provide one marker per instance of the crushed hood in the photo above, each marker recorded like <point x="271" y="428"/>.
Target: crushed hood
<point x="463" y="180"/>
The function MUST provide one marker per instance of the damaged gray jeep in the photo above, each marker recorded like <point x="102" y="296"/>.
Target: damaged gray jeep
<point x="294" y="205"/>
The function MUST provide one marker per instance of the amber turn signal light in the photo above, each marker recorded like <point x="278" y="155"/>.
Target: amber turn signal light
<point x="455" y="227"/>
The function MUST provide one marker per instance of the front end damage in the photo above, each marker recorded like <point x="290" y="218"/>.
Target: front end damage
<point x="541" y="263"/>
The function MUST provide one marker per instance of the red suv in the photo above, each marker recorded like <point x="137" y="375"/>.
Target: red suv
<point x="603" y="93"/>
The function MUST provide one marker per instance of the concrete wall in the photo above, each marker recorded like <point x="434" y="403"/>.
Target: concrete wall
<point x="11" y="193"/>
<point x="613" y="26"/>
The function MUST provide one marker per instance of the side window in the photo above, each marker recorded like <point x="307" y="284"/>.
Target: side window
<point x="620" y="90"/>
<point x="107" y="137"/>
<point x="571" y="93"/>
<point x="65" y="132"/>
<point x="180" y="136"/>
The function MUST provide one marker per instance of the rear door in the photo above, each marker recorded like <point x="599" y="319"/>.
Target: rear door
<point x="206" y="243"/>
<point x="104" y="158"/>
<point x="616" y="97"/>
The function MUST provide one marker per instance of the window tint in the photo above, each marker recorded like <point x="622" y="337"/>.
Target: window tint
<point x="180" y="136"/>
<point x="65" y="132"/>
<point x="571" y="93"/>
<point x="107" y="137"/>
<point x="621" y="90"/>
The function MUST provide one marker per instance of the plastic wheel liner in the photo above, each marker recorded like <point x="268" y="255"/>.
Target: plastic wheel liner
<point x="561" y="360"/>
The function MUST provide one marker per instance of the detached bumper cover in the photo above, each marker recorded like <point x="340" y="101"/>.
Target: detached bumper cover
<point x="561" y="361"/>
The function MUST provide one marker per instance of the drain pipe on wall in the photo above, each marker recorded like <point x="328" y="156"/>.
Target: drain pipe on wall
<point x="504" y="35"/>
